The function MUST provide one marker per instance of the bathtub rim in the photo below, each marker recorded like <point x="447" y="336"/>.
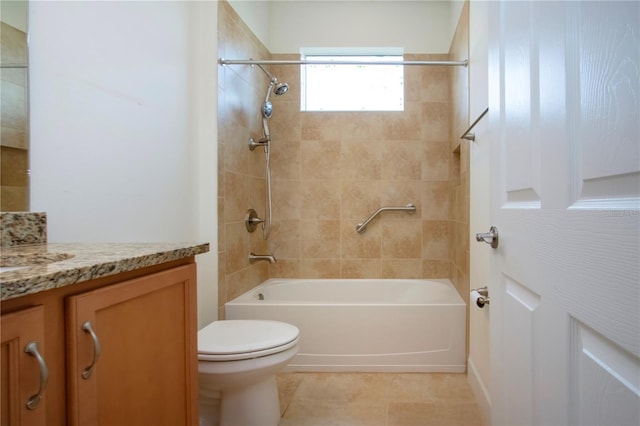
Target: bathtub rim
<point x="249" y="297"/>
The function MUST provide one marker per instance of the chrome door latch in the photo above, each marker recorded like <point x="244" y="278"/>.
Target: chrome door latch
<point x="490" y="237"/>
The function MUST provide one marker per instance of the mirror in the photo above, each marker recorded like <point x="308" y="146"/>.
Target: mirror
<point x="14" y="96"/>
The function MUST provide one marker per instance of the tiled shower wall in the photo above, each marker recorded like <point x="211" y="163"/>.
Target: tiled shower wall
<point x="459" y="187"/>
<point x="330" y="171"/>
<point x="241" y="182"/>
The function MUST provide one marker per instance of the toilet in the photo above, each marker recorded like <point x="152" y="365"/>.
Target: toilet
<point x="237" y="364"/>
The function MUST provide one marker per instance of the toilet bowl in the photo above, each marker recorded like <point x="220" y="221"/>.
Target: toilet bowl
<point x="237" y="363"/>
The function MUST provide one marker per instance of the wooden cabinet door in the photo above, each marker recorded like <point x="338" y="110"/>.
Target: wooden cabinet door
<point x="20" y="371"/>
<point x="146" y="373"/>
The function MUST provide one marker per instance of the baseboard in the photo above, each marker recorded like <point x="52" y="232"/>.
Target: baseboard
<point x="480" y="391"/>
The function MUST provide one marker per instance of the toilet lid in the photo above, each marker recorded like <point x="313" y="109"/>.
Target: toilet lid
<point x="243" y="339"/>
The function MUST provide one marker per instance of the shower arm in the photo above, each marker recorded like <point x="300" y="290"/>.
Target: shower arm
<point x="271" y="78"/>
<point x="409" y="208"/>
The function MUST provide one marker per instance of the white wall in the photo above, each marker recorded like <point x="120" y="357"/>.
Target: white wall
<point x="256" y="14"/>
<point x="416" y="26"/>
<point x="479" y="368"/>
<point x="120" y="151"/>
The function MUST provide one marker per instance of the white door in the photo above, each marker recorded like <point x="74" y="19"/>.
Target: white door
<point x="564" y="99"/>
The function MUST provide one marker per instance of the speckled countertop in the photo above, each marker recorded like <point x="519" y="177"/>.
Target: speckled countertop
<point x="82" y="262"/>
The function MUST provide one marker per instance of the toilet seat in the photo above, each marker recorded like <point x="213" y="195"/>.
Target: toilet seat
<point x="232" y="340"/>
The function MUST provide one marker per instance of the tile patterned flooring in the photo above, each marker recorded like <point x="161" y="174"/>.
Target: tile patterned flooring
<point x="376" y="399"/>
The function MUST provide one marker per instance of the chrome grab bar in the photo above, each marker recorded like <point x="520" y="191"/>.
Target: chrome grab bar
<point x="409" y="208"/>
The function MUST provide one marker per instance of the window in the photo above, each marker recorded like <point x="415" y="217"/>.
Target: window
<point x="352" y="87"/>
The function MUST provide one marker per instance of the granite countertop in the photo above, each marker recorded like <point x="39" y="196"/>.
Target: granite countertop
<point x="69" y="263"/>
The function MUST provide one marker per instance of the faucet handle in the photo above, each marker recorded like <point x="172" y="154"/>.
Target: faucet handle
<point x="251" y="220"/>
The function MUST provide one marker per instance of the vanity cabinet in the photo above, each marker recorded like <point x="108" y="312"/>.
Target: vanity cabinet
<point x="23" y="374"/>
<point x="142" y="348"/>
<point x="130" y="359"/>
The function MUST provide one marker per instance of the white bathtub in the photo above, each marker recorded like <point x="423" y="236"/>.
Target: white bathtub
<point x="377" y="325"/>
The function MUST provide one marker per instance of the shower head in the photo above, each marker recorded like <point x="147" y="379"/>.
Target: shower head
<point x="274" y="85"/>
<point x="281" y="88"/>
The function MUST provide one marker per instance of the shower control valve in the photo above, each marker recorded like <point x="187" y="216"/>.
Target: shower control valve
<point x="251" y="220"/>
<point x="262" y="142"/>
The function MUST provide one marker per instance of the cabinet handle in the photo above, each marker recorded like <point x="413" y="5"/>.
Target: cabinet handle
<point x="32" y="349"/>
<point x="87" y="328"/>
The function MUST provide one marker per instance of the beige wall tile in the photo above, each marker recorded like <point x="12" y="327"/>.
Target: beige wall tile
<point x="287" y="197"/>
<point x="319" y="268"/>
<point x="320" y="239"/>
<point x="285" y="268"/>
<point x="320" y="199"/>
<point x="435" y="161"/>
<point x="413" y="82"/>
<point x="320" y="126"/>
<point x="435" y="119"/>
<point x="435" y="239"/>
<point x="435" y="200"/>
<point x="436" y="268"/>
<point x="239" y="282"/>
<point x="360" y="199"/>
<point x="360" y="246"/>
<point x="402" y="160"/>
<point x="238" y="247"/>
<point x="237" y="200"/>
<point x="285" y="160"/>
<point x="320" y="160"/>
<point x="401" y="193"/>
<point x="360" y="159"/>
<point x="285" y="123"/>
<point x="406" y="125"/>
<point x="401" y="268"/>
<point x="434" y="84"/>
<point x="361" y="268"/>
<point x="401" y="239"/>
<point x="284" y="241"/>
<point x="361" y="126"/>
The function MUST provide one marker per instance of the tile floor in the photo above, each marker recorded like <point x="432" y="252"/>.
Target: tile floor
<point x="376" y="399"/>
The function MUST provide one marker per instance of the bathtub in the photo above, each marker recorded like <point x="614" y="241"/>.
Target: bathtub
<point x="370" y="325"/>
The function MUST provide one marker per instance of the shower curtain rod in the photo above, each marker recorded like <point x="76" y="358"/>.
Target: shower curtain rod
<point x="222" y="61"/>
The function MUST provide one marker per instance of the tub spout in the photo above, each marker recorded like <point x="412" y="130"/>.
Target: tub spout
<point x="257" y="257"/>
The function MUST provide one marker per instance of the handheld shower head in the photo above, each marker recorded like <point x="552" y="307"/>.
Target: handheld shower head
<point x="267" y="109"/>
